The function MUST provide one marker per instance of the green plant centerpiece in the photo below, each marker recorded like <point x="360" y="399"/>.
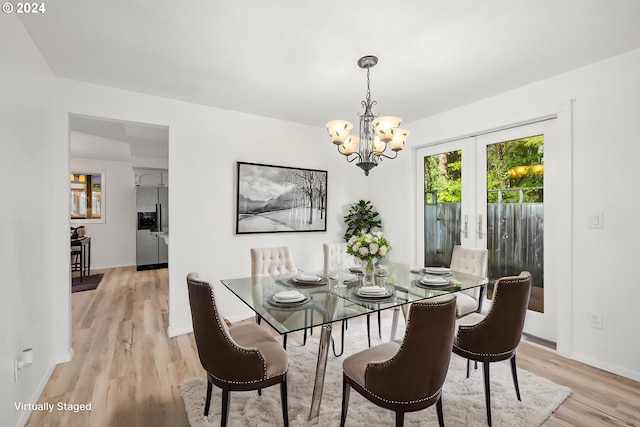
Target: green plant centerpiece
<point x="361" y="218"/>
<point x="369" y="248"/>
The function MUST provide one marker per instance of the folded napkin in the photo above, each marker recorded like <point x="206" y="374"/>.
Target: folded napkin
<point x="308" y="277"/>
<point x="288" y="296"/>
<point x="372" y="290"/>
<point x="434" y="280"/>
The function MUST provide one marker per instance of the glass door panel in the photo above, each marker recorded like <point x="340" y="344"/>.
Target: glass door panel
<point x="515" y="211"/>
<point x="445" y="200"/>
<point x="511" y="208"/>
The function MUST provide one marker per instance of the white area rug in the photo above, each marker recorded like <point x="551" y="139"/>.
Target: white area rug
<point x="463" y="399"/>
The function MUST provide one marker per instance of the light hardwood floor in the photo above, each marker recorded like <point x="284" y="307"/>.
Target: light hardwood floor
<point x="130" y="372"/>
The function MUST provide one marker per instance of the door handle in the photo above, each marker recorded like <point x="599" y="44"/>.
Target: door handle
<point x="465" y="230"/>
<point x="479" y="227"/>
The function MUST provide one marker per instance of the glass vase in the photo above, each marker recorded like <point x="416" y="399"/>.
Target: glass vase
<point x="368" y="272"/>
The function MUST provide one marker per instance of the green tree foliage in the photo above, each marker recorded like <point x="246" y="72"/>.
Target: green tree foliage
<point x="514" y="167"/>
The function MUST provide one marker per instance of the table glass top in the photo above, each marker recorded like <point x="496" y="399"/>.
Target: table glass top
<point x="325" y="301"/>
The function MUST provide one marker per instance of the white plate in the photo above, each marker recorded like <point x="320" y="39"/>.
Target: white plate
<point x="417" y="270"/>
<point x="434" y="281"/>
<point x="372" y="291"/>
<point x="288" y="296"/>
<point x="437" y="270"/>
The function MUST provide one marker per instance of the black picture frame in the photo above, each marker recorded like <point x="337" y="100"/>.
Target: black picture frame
<point x="280" y="199"/>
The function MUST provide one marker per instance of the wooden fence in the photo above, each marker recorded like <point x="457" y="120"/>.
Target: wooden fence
<point x="514" y="237"/>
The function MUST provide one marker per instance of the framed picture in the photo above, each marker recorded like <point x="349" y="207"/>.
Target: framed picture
<point x="280" y="199"/>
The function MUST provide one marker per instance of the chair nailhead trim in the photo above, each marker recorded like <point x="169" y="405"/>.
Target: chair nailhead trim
<point x="408" y="402"/>
<point x="385" y="363"/>
<point x="496" y="296"/>
<point x="229" y="340"/>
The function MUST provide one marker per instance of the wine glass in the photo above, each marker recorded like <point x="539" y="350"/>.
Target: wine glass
<point x="340" y="273"/>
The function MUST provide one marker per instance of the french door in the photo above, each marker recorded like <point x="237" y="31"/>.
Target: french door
<point x="488" y="192"/>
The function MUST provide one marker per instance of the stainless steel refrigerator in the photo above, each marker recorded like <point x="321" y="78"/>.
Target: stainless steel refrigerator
<point x="152" y="205"/>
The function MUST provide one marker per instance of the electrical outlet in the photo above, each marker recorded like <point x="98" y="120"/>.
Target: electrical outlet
<point x="595" y="320"/>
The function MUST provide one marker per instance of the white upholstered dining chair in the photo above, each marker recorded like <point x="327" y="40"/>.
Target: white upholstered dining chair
<point x="471" y="261"/>
<point x="334" y="253"/>
<point x="273" y="262"/>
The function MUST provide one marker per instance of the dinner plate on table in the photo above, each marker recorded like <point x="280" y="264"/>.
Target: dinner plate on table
<point x="435" y="281"/>
<point x="355" y="269"/>
<point x="373" y="292"/>
<point x="439" y="271"/>
<point x="308" y="279"/>
<point x="290" y="298"/>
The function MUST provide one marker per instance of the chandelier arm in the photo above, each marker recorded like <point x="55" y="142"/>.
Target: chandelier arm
<point x="388" y="157"/>
<point x="356" y="155"/>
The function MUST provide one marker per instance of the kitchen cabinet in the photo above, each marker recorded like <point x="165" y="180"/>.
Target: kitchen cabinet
<point x="151" y="178"/>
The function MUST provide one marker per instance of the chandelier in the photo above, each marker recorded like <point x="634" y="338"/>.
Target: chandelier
<point x="376" y="133"/>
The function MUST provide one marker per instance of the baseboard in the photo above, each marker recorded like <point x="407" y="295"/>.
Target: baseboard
<point x="237" y="317"/>
<point x="614" y="369"/>
<point x="174" y="332"/>
<point x="24" y="417"/>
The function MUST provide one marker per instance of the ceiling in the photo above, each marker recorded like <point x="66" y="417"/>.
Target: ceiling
<point x="296" y="60"/>
<point x="117" y="140"/>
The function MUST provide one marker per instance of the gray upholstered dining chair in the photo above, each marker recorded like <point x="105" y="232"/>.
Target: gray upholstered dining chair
<point x="409" y="376"/>
<point x="471" y="261"/>
<point x="495" y="337"/>
<point x="240" y="358"/>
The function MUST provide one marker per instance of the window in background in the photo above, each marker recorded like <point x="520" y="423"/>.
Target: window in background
<point x="87" y="196"/>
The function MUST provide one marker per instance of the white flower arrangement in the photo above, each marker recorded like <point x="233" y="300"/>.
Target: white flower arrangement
<point x="369" y="246"/>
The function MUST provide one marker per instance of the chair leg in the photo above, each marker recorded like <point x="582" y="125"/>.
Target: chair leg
<point x="284" y="341"/>
<point x="468" y="367"/>
<point x="207" y="401"/>
<point x="369" y="329"/>
<point x="346" y="390"/>
<point x="514" y="374"/>
<point x="439" y="412"/>
<point x="399" y="417"/>
<point x="225" y="407"/>
<point x="283" y="398"/>
<point x="487" y="391"/>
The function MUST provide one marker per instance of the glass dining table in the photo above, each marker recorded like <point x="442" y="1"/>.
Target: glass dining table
<point x="325" y="301"/>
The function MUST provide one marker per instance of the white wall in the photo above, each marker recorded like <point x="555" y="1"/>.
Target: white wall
<point x="605" y="152"/>
<point x="113" y="242"/>
<point x="27" y="316"/>
<point x="203" y="185"/>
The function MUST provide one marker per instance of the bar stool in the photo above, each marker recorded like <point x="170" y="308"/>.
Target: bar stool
<point x="76" y="259"/>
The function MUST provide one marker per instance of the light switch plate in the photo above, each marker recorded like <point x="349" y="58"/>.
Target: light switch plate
<point x="596" y="220"/>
